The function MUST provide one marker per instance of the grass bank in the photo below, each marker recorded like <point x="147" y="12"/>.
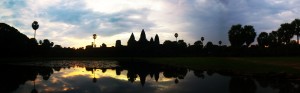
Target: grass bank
<point x="243" y="64"/>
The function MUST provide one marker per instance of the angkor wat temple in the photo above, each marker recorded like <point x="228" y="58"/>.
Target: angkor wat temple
<point x="143" y="42"/>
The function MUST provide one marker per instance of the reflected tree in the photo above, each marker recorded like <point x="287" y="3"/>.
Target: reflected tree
<point x="176" y="81"/>
<point x="34" y="89"/>
<point x="94" y="79"/>
<point x="242" y="85"/>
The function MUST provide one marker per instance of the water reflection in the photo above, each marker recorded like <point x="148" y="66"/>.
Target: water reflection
<point x="137" y="77"/>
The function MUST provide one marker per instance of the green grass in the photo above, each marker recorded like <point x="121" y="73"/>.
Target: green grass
<point x="242" y="64"/>
<point x="237" y="64"/>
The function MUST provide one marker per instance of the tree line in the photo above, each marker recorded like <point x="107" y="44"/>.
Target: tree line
<point x="274" y="43"/>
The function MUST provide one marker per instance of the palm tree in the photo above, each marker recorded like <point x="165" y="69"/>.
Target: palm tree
<point x="35" y="26"/>
<point x="285" y="33"/>
<point x="94" y="37"/>
<point x="263" y="39"/>
<point x="273" y="39"/>
<point x="198" y="44"/>
<point x="235" y="35"/>
<point x="176" y="35"/>
<point x="250" y="34"/>
<point x="296" y="28"/>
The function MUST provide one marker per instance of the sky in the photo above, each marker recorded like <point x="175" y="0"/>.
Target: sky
<point x="71" y="23"/>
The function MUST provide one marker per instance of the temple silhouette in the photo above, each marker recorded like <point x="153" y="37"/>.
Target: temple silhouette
<point x="142" y="42"/>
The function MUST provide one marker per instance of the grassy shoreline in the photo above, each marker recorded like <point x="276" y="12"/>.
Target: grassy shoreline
<point x="242" y="64"/>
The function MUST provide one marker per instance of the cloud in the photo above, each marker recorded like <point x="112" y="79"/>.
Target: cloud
<point x="71" y="23"/>
<point x="213" y="18"/>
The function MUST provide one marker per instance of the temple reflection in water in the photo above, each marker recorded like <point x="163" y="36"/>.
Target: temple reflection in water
<point x="137" y="77"/>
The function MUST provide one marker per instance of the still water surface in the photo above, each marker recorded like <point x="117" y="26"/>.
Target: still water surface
<point x="126" y="77"/>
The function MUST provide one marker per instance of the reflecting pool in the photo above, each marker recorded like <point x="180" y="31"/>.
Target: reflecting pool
<point x="68" y="76"/>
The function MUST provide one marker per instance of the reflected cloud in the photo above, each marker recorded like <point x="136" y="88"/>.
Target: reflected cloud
<point x="136" y="77"/>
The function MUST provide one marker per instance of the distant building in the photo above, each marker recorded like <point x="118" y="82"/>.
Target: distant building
<point x="151" y="41"/>
<point x="90" y="46"/>
<point x="131" y="42"/>
<point x="143" y="40"/>
<point x="156" y="40"/>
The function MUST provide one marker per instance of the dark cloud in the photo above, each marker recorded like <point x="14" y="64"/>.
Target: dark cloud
<point x="213" y="18"/>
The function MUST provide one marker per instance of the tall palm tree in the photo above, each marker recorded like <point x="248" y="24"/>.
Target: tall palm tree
<point x="285" y="33"/>
<point x="202" y="39"/>
<point x="94" y="37"/>
<point x="296" y="28"/>
<point x="35" y="26"/>
<point x="176" y="35"/>
<point x="273" y="39"/>
<point x="263" y="39"/>
<point x="249" y="33"/>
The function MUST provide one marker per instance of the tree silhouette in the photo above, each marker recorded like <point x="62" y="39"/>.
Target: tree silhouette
<point x="236" y="35"/>
<point x="285" y="33"/>
<point x="220" y="43"/>
<point x="249" y="34"/>
<point x="176" y="35"/>
<point x="273" y="38"/>
<point x="35" y="26"/>
<point x="209" y="45"/>
<point x="296" y="28"/>
<point x="103" y="45"/>
<point x="46" y="44"/>
<point x="12" y="41"/>
<point x="202" y="39"/>
<point x="263" y="39"/>
<point x="94" y="37"/>
<point x="94" y="79"/>
<point x="198" y="44"/>
<point x="181" y="44"/>
<point x="239" y="35"/>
